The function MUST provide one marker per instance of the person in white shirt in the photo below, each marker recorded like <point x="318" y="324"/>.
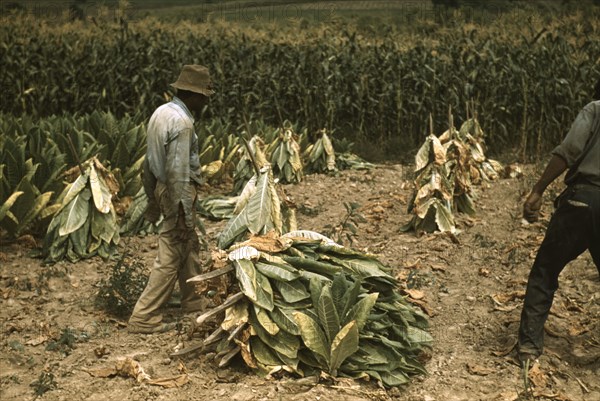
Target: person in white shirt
<point x="171" y="178"/>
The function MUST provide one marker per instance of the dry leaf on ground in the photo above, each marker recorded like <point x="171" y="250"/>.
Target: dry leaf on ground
<point x="479" y="370"/>
<point x="170" y="382"/>
<point x="501" y="299"/>
<point x="130" y="368"/>
<point x="415" y="294"/>
<point x="537" y="377"/>
<point x="37" y="341"/>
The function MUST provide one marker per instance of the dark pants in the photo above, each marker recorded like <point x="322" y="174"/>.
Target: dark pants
<point x="574" y="227"/>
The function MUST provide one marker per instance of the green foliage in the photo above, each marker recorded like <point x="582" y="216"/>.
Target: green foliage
<point x="285" y="158"/>
<point x="320" y="157"/>
<point x="134" y="222"/>
<point x="446" y="168"/>
<point x="67" y="340"/>
<point x="347" y="228"/>
<point x="85" y="223"/>
<point x="316" y="306"/>
<point x="375" y="90"/>
<point x="258" y="210"/>
<point x="119" y="293"/>
<point x="24" y="205"/>
<point x="44" y="383"/>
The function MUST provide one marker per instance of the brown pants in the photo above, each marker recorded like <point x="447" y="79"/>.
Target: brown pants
<point x="177" y="260"/>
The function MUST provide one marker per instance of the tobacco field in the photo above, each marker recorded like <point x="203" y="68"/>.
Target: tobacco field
<point x="360" y="220"/>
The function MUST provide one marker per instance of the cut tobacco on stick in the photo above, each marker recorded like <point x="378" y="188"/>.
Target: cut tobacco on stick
<point x="303" y="304"/>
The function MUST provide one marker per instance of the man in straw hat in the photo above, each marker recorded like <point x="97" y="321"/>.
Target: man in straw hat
<point x="171" y="177"/>
<point x="574" y="227"/>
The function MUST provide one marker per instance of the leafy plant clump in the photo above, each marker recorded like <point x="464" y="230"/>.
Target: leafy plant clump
<point x="119" y="293"/>
<point x="285" y="158"/>
<point x="44" y="383"/>
<point x="320" y="156"/>
<point x="431" y="204"/>
<point x="307" y="305"/>
<point x="258" y="210"/>
<point x="23" y="203"/>
<point x="65" y="343"/>
<point x="134" y="221"/>
<point x="85" y="223"/>
<point x="347" y="228"/>
<point x="446" y="170"/>
<point x="245" y="168"/>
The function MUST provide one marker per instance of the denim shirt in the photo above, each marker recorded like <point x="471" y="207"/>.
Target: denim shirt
<point x="172" y="158"/>
<point x="581" y="147"/>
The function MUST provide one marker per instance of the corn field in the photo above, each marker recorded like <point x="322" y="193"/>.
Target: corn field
<point x="527" y="76"/>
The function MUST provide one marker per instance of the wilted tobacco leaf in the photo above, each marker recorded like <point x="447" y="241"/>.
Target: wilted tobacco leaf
<point x="344" y="344"/>
<point x="360" y="311"/>
<point x="312" y="335"/>
<point x="265" y="321"/>
<point x="235" y="315"/>
<point x="100" y="191"/>
<point x="279" y="272"/>
<point x="285" y="320"/>
<point x="292" y="291"/>
<point x="327" y="313"/>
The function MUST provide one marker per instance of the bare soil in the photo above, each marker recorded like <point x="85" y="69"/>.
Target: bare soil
<point x="472" y="289"/>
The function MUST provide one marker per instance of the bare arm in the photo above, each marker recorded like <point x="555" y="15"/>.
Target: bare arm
<point x="531" y="209"/>
<point x="556" y="166"/>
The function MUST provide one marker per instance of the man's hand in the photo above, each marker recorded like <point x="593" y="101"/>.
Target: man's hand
<point x="531" y="208"/>
<point x="152" y="213"/>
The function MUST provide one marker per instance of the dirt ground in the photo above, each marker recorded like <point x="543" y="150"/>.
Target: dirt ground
<point x="472" y="289"/>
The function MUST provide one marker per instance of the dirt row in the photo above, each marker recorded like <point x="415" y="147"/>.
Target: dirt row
<point x="471" y="286"/>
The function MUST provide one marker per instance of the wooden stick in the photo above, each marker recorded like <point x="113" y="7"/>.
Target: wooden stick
<point x="227" y="357"/>
<point x="236" y="331"/>
<point x="252" y="159"/>
<point x="213" y="338"/>
<point x="230" y="301"/>
<point x="75" y="155"/>
<point x="430" y="124"/>
<point x="211" y="274"/>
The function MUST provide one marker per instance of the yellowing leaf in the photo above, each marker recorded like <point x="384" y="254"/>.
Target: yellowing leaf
<point x="312" y="335"/>
<point x="344" y="344"/>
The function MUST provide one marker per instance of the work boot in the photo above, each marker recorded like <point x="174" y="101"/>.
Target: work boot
<point x="161" y="328"/>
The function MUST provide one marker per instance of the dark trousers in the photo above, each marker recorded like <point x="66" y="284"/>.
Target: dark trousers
<point x="574" y="227"/>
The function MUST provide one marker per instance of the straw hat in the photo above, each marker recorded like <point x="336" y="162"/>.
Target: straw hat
<point x="194" y="78"/>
